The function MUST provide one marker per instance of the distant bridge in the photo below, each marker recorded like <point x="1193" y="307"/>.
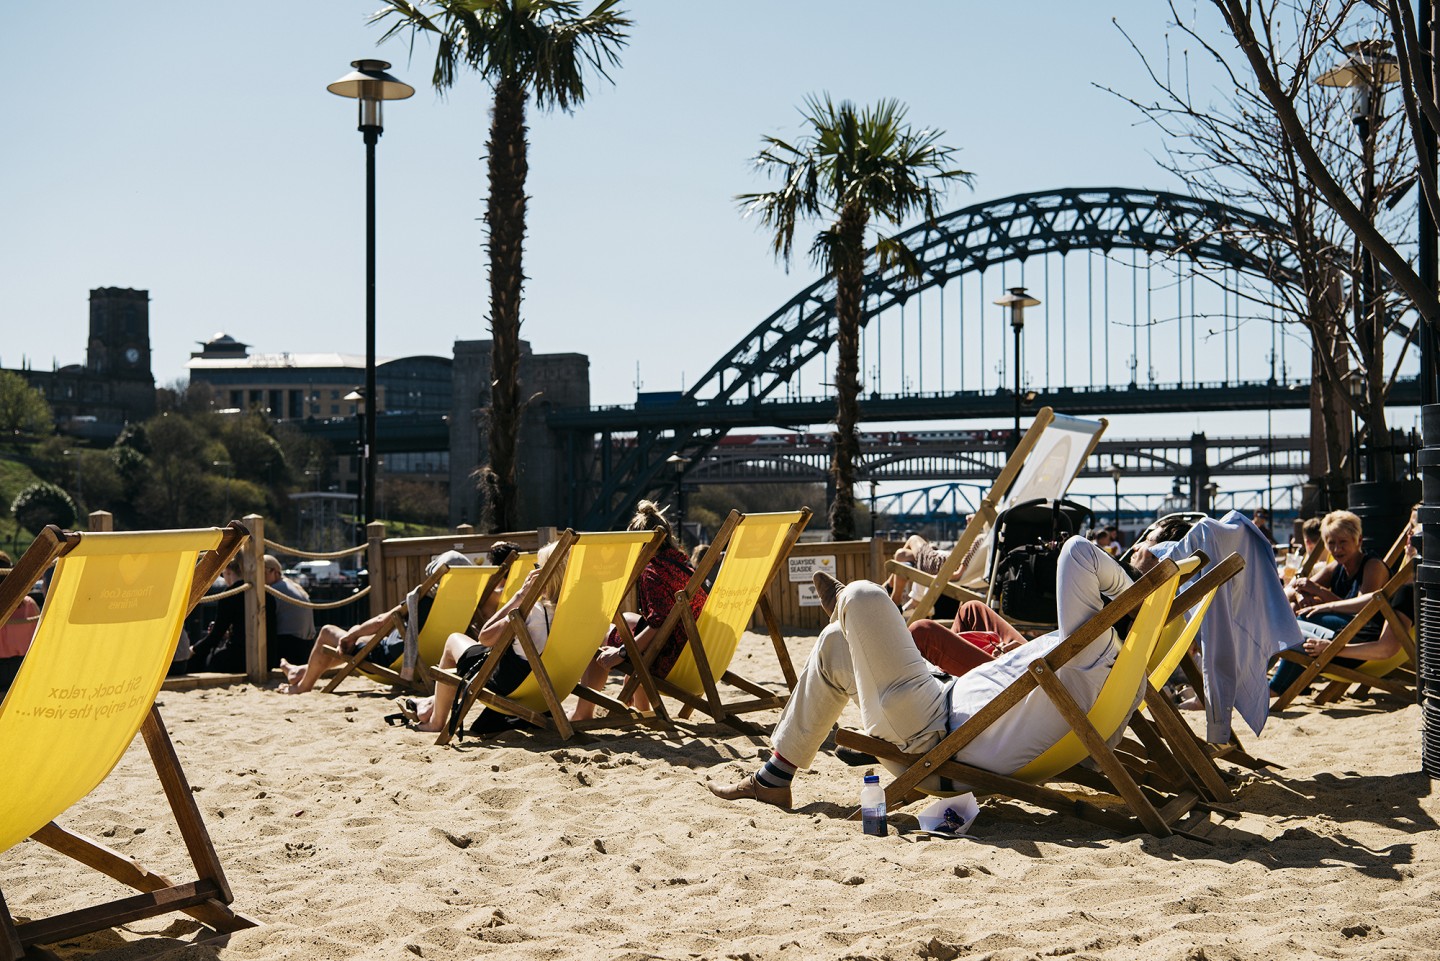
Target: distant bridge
<point x="758" y="382"/>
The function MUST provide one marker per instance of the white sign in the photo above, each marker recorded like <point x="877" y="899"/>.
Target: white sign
<point x="808" y="595"/>
<point x="802" y="569"/>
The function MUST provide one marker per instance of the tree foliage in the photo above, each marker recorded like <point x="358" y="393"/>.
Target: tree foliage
<point x="23" y="409"/>
<point x="536" y="51"/>
<point x="853" y="165"/>
<point x="43" y="503"/>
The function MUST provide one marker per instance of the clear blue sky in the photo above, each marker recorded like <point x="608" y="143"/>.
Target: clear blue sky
<point x="193" y="150"/>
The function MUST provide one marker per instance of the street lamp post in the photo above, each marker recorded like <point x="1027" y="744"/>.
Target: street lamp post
<point x="371" y="86"/>
<point x="1017" y="300"/>
<point x="1212" y="493"/>
<point x="357" y="397"/>
<point x="1115" y="474"/>
<point x="678" y="462"/>
<point x="1368" y="68"/>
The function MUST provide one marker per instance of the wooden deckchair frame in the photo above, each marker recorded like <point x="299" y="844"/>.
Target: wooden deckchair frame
<point x="1155" y="816"/>
<point x="395" y="621"/>
<point x="1187" y="754"/>
<point x="208" y="897"/>
<point x="983" y="520"/>
<point x="1379" y="603"/>
<point x="712" y="703"/>
<point x="617" y="713"/>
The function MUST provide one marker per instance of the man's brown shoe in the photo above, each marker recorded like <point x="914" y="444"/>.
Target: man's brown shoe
<point x="753" y="789"/>
<point x="828" y="588"/>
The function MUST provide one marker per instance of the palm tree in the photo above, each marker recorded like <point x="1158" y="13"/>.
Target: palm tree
<point x="525" y="49"/>
<point x="851" y="166"/>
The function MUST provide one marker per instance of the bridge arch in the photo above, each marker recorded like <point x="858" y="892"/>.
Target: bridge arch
<point x="952" y="245"/>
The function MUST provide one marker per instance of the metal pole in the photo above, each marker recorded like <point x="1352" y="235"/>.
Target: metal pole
<point x="1015" y="436"/>
<point x="372" y="134"/>
<point x="1425" y="224"/>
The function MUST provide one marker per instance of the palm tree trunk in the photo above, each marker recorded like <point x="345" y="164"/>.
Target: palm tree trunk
<point x="849" y="278"/>
<point x="505" y="217"/>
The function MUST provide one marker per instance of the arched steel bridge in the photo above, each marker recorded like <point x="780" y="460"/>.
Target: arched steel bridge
<point x="741" y="387"/>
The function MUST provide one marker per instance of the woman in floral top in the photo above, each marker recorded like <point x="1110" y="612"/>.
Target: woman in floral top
<point x="668" y="572"/>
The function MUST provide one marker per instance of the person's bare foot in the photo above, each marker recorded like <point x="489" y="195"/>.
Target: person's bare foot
<point x="828" y="588"/>
<point x="293" y="672"/>
<point x="752" y="789"/>
<point x="289" y="689"/>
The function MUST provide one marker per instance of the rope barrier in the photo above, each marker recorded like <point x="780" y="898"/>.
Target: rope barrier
<point x="240" y="588"/>
<point x="319" y="605"/>
<point x="314" y="555"/>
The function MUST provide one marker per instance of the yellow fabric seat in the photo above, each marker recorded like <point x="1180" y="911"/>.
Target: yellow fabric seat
<point x="106" y="637"/>
<point x="599" y="570"/>
<point x="750" y="550"/>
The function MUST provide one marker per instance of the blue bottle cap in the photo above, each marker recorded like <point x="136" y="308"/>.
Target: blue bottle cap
<point x="872" y="779"/>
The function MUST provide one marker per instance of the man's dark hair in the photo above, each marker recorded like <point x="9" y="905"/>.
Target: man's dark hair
<point x="499" y="551"/>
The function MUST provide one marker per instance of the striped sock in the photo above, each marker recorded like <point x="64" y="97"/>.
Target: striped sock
<point x="776" y="772"/>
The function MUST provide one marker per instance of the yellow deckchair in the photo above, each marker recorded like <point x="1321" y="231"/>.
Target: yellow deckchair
<point x="109" y="629"/>
<point x="600" y="569"/>
<point x="1043" y="464"/>
<point x="459" y="592"/>
<point x="1184" y="757"/>
<point x="521" y="565"/>
<point x="754" y="548"/>
<point x="1150" y="598"/>
<point x="1371" y="673"/>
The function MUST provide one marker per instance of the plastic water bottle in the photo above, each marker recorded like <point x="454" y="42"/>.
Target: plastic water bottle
<point x="872" y="806"/>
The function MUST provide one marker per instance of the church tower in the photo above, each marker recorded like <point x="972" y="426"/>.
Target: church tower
<point x="119" y="347"/>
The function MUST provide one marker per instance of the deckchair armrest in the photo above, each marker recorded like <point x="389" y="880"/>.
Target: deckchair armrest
<point x="443" y="676"/>
<point x="950" y="588"/>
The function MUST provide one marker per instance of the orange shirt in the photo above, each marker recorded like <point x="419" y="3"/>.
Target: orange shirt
<point x="16" y="634"/>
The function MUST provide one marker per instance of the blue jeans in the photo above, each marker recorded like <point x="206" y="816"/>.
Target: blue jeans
<point x="1324" y="626"/>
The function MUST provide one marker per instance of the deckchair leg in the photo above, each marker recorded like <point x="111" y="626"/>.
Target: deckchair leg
<point x="1099" y="750"/>
<point x="778" y="640"/>
<point x="1196" y="763"/>
<point x="10" y="947"/>
<point x="182" y="802"/>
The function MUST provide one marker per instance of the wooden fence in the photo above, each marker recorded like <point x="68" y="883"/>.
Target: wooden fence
<point x="792" y="594"/>
<point x="395" y="565"/>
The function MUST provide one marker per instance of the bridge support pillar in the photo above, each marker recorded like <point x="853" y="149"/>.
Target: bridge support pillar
<point x="1199" y="473"/>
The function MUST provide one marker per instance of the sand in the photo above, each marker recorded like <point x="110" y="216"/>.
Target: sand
<point x="350" y="839"/>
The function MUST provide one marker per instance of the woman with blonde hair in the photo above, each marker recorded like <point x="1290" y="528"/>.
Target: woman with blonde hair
<point x="668" y="572"/>
<point x="1328" y="601"/>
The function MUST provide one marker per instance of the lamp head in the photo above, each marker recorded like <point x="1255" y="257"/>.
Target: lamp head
<point x="371" y="86"/>
<point x="1017" y="300"/>
<point x="1368" y="68"/>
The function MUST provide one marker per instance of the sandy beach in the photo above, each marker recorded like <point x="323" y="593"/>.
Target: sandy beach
<point x="347" y="838"/>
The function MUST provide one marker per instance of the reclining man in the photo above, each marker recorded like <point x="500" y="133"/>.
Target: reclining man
<point x="867" y="653"/>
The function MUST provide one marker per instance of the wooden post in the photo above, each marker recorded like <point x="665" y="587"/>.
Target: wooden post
<point x="375" y="562"/>
<point x="546" y="535"/>
<point x="101" y="521"/>
<point x="877" y="560"/>
<point x="252" y="570"/>
<point x="465" y="530"/>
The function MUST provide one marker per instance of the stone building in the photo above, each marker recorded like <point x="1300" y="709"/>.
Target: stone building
<point x="547" y="380"/>
<point x="115" y="385"/>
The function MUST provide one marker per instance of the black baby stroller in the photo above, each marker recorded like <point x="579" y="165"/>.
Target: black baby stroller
<point x="1024" y="556"/>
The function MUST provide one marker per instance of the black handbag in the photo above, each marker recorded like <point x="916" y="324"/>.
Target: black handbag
<point x="1025" y="582"/>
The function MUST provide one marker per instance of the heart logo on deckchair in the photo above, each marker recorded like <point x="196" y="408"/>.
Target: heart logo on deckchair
<point x="132" y="566"/>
